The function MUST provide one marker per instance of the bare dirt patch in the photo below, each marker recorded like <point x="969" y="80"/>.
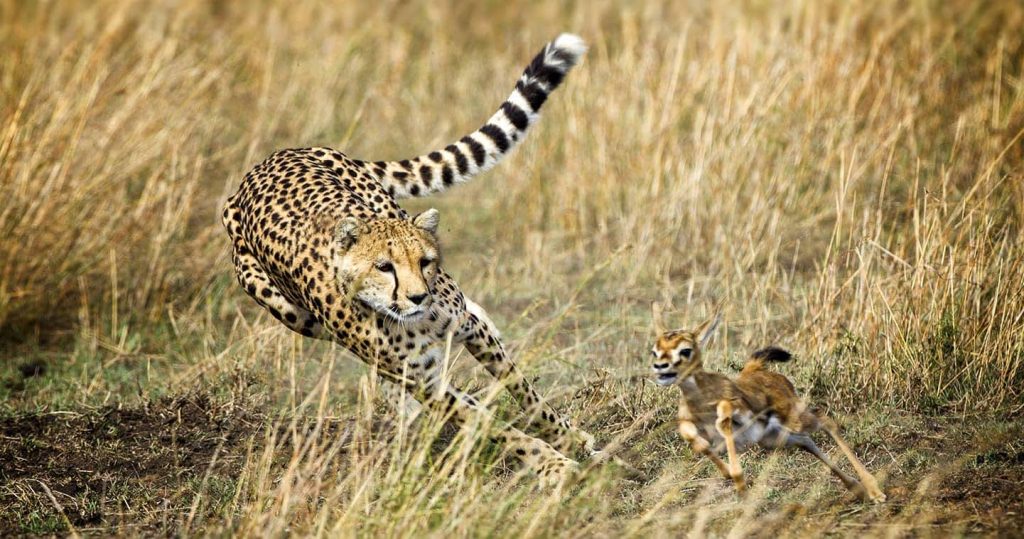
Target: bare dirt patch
<point x="988" y="493"/>
<point x="116" y="465"/>
<point x="132" y="470"/>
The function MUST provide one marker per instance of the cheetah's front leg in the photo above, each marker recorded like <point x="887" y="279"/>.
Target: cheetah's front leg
<point x="553" y="467"/>
<point x="481" y="338"/>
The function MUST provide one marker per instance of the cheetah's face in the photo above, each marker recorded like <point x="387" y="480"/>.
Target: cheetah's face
<point x="390" y="265"/>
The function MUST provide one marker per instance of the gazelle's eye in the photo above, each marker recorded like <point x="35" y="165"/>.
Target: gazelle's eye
<point x="654" y="353"/>
<point x="385" y="267"/>
<point x="685" y="352"/>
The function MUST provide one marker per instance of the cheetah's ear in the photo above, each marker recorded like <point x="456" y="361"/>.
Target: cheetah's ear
<point x="428" y="220"/>
<point x="347" y="231"/>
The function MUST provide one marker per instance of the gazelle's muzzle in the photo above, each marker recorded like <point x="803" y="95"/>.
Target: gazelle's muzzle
<point x="666" y="372"/>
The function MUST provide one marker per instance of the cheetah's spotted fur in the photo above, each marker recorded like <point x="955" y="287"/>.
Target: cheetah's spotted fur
<point x="319" y="240"/>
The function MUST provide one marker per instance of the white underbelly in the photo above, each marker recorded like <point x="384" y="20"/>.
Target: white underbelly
<point x="747" y="431"/>
<point x="749" y="435"/>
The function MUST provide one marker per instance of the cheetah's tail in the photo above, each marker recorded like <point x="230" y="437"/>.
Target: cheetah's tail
<point x="482" y="149"/>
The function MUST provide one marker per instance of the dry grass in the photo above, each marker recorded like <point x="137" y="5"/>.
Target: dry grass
<point x="844" y="178"/>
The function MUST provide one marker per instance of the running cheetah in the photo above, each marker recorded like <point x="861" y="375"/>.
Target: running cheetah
<point x="319" y="241"/>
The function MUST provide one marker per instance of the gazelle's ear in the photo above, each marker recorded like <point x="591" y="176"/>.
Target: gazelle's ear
<point x="657" y="317"/>
<point x="707" y="329"/>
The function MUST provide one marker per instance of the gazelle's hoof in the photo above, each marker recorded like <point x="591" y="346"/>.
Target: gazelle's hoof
<point x="871" y="492"/>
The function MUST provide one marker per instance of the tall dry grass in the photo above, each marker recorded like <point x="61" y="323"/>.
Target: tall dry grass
<point x="844" y="178"/>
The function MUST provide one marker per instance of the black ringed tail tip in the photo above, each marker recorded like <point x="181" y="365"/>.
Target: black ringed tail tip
<point x="482" y="149"/>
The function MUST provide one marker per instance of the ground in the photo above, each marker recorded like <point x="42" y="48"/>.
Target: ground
<point x="174" y="464"/>
<point x="842" y="179"/>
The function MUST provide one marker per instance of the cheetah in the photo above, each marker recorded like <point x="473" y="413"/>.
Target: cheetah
<point x="319" y="240"/>
<point x="759" y="407"/>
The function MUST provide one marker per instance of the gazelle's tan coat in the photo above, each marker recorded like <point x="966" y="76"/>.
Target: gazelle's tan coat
<point x="759" y="407"/>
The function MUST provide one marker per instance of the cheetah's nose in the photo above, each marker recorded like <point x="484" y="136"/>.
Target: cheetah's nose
<point x="416" y="299"/>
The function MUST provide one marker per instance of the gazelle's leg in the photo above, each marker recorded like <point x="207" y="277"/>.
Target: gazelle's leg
<point x="804" y="442"/>
<point x="481" y="338"/>
<point x="690" y="433"/>
<point x="874" y="493"/>
<point x="724" y="426"/>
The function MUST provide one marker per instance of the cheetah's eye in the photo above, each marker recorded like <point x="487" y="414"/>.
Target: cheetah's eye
<point x="685" y="352"/>
<point x="385" y="267"/>
<point x="424" y="262"/>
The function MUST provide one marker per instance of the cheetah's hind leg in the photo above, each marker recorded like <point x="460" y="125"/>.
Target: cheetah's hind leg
<point x="257" y="284"/>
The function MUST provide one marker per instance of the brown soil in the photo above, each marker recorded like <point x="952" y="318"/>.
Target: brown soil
<point x="113" y="463"/>
<point x="137" y="470"/>
<point x="988" y="497"/>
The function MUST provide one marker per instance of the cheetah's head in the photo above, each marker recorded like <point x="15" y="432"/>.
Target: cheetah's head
<point x="390" y="265"/>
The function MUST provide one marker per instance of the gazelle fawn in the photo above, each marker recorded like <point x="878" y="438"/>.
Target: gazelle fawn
<point x="759" y="407"/>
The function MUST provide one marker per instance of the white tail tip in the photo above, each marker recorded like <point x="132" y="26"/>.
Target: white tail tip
<point x="571" y="43"/>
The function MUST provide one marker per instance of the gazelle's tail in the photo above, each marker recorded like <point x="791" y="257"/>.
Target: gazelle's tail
<point x="771" y="353"/>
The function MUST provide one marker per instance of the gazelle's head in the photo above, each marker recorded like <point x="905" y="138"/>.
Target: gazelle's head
<point x="676" y="353"/>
